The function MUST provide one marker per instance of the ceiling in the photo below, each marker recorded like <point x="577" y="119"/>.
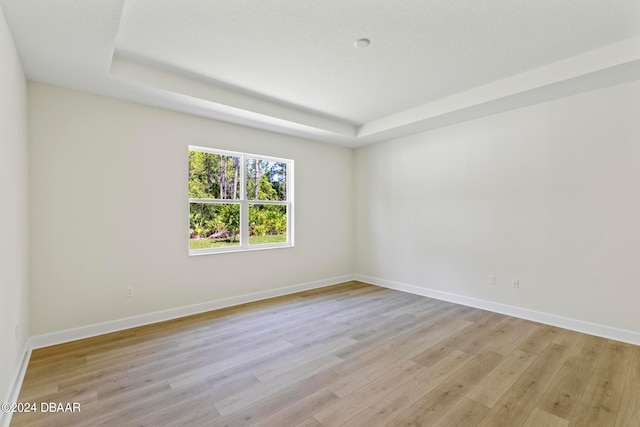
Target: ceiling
<point x="291" y="66"/>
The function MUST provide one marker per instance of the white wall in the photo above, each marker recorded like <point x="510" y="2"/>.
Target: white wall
<point x="548" y="194"/>
<point x="14" y="310"/>
<point x="109" y="210"/>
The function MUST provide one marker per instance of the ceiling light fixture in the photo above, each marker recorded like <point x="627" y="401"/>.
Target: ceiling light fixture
<point x="362" y="42"/>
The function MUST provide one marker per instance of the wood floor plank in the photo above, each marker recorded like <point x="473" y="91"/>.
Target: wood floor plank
<point x="393" y="335"/>
<point x="497" y="382"/>
<point x="196" y="410"/>
<point x="386" y="409"/>
<point x="515" y="406"/>
<point x="465" y="413"/>
<point x="273" y="403"/>
<point x="438" y="401"/>
<point x="600" y="401"/>
<point x="233" y="385"/>
<point x="292" y="361"/>
<point x="406" y="346"/>
<point x="459" y="340"/>
<point x="564" y="393"/>
<point x="629" y="411"/>
<point x="148" y="405"/>
<point x="310" y="422"/>
<point x="32" y="393"/>
<point x="537" y="342"/>
<point x="366" y="368"/>
<point x="187" y="370"/>
<point x="411" y="308"/>
<point x="351" y="355"/>
<point x="540" y="418"/>
<point x="513" y="339"/>
<point x="264" y="389"/>
<point x="490" y="335"/>
<point x="298" y="412"/>
<point x="342" y="410"/>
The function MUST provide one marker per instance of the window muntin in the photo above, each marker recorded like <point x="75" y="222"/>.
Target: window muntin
<point x="238" y="201"/>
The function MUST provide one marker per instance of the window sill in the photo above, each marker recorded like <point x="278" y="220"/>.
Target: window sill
<point x="199" y="252"/>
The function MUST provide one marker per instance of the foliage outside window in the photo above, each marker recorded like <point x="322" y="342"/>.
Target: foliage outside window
<point x="238" y="201"/>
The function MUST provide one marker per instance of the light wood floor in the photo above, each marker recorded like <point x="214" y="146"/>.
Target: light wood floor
<point x="353" y="355"/>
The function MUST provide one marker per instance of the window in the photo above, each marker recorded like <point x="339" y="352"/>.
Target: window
<point x="238" y="201"/>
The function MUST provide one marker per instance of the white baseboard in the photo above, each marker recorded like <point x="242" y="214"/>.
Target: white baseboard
<point x="88" y="331"/>
<point x="16" y="385"/>
<point x="603" y="331"/>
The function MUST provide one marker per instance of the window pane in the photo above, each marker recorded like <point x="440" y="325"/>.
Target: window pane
<point x="267" y="224"/>
<point x="214" y="225"/>
<point x="213" y="176"/>
<point x="266" y="180"/>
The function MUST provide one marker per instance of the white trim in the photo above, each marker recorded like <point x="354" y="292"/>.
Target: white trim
<point x="16" y="385"/>
<point x="291" y="199"/>
<point x="231" y="249"/>
<point x="213" y="151"/>
<point x="216" y="201"/>
<point x="244" y="209"/>
<point x="609" y="332"/>
<point x="67" y="335"/>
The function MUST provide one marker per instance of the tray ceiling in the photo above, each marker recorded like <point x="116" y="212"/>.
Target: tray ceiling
<point x="293" y="66"/>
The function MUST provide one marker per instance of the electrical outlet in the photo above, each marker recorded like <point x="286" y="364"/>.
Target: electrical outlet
<point x="129" y="291"/>
<point x="492" y="279"/>
<point x="515" y="283"/>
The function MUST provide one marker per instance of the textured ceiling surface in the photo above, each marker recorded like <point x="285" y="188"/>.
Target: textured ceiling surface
<point x="292" y="65"/>
<point x="303" y="51"/>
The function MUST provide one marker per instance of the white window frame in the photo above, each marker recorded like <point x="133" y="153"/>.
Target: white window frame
<point x="244" y="204"/>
